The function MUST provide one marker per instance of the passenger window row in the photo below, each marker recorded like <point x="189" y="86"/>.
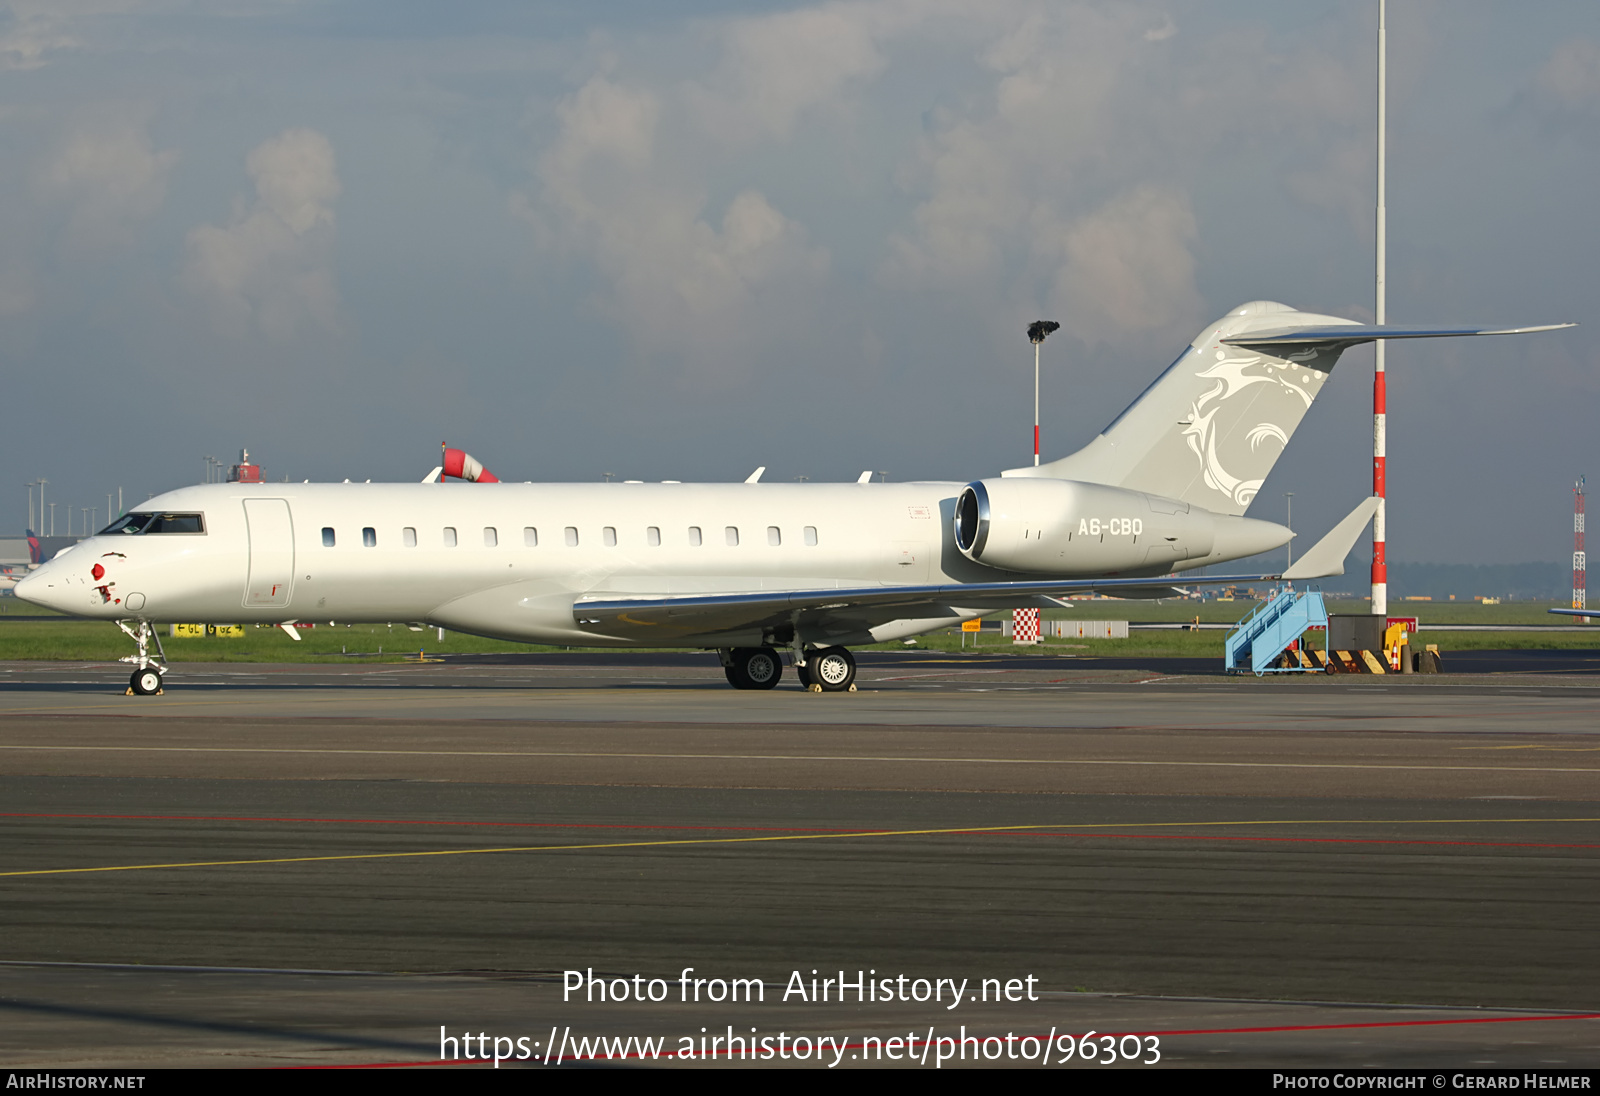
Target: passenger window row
<point x="530" y="536"/>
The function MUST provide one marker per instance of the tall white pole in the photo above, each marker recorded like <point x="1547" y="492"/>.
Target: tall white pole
<point x="1380" y="411"/>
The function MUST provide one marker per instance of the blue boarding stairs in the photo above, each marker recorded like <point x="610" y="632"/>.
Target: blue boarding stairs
<point x="1258" y="641"/>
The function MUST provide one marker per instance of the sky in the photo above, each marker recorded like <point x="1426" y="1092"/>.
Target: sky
<point x="681" y="241"/>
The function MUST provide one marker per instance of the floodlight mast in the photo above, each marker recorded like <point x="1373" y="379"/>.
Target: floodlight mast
<point x="1038" y="330"/>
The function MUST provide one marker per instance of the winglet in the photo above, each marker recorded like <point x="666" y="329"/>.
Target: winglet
<point x="755" y="477"/>
<point x="289" y="629"/>
<point x="1326" y="557"/>
<point x="433" y="476"/>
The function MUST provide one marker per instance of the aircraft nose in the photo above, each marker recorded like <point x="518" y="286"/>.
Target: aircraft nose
<point x="40" y="588"/>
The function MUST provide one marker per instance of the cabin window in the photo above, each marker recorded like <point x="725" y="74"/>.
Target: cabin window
<point x="609" y="535"/>
<point x="408" y="537"/>
<point x="369" y="537"/>
<point x="731" y="535"/>
<point x="449" y="536"/>
<point x="327" y="536"/>
<point x="572" y="536"/>
<point x="774" y="537"/>
<point x="694" y="535"/>
<point x="530" y="537"/>
<point x="811" y="535"/>
<point x="652" y="535"/>
<point x="490" y="536"/>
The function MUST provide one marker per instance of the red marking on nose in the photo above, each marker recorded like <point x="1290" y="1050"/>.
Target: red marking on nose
<point x="99" y="572"/>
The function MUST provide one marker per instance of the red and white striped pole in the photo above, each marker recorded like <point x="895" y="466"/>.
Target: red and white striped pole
<point x="1580" y="580"/>
<point x="1380" y="401"/>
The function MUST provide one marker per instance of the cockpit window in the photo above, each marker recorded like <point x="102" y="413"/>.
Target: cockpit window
<point x="141" y="524"/>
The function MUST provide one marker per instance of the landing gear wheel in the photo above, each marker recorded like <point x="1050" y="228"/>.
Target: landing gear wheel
<point x="755" y="668"/>
<point x="834" y="668"/>
<point x="146" y="679"/>
<point x="803" y="673"/>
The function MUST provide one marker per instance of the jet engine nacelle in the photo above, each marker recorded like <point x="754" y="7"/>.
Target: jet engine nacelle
<point x="1063" y="526"/>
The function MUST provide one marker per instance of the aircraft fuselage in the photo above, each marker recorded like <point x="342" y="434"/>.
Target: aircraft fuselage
<point x="508" y="560"/>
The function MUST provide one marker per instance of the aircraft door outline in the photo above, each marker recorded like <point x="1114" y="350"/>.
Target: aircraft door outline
<point x="270" y="579"/>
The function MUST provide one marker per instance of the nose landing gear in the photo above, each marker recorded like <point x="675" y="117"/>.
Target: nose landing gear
<point x="147" y="674"/>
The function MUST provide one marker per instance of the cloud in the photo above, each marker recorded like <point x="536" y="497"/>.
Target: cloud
<point x="680" y="274"/>
<point x="1010" y="184"/>
<point x="1055" y="127"/>
<point x="110" y="174"/>
<point x="29" y="35"/>
<point x="1129" y="267"/>
<point x="270" y="267"/>
<point x="775" y="68"/>
<point x="1063" y="178"/>
<point x="1160" y="34"/>
<point x="1571" y="77"/>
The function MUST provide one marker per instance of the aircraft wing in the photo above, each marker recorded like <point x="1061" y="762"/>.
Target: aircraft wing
<point x="1351" y="334"/>
<point x="835" y="611"/>
<point x="1576" y="612"/>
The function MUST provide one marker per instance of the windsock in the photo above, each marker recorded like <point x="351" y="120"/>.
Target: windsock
<point x="458" y="464"/>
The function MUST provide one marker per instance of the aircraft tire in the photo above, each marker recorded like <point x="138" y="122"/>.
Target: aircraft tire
<point x="755" y="668"/>
<point x="803" y="674"/>
<point x="834" y="668"/>
<point x="145" y="682"/>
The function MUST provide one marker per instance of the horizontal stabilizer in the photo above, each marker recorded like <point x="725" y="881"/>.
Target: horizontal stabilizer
<point x="1326" y="557"/>
<point x="1352" y="334"/>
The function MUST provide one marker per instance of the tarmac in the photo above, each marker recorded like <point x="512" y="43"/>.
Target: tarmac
<point x="361" y="864"/>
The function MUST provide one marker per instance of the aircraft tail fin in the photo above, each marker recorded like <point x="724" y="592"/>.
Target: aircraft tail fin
<point x="1210" y="428"/>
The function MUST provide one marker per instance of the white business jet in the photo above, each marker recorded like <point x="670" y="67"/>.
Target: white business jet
<point x="749" y="570"/>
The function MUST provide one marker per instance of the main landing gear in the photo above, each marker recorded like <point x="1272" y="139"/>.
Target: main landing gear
<point x="752" y="667"/>
<point x="829" y="670"/>
<point x="825" y="670"/>
<point x="147" y="674"/>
